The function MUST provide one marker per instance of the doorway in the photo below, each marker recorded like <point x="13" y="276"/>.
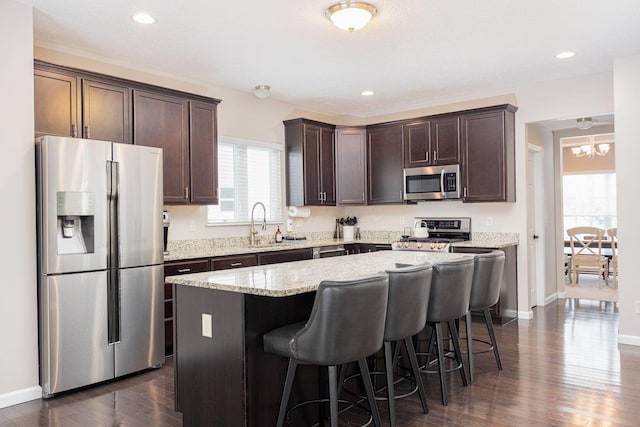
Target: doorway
<point x="535" y="226"/>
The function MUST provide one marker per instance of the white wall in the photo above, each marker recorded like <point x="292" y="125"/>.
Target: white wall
<point x="627" y="93"/>
<point x="18" y="315"/>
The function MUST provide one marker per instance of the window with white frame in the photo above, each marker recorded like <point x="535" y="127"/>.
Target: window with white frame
<point x="589" y="200"/>
<point x="248" y="172"/>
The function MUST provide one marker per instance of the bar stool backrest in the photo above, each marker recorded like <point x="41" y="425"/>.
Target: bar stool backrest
<point x="346" y="321"/>
<point x="450" y="290"/>
<point x="409" y="289"/>
<point x="487" y="277"/>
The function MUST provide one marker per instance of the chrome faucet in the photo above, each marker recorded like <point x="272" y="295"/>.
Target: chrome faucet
<point x="252" y="231"/>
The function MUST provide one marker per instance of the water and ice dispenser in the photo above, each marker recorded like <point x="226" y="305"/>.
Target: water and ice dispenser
<point x="76" y="222"/>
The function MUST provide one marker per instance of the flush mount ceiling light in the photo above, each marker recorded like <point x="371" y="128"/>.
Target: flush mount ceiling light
<point x="584" y="123"/>
<point x="565" y="55"/>
<point x="262" y="91"/>
<point x="367" y="93"/>
<point x="350" y="15"/>
<point x="144" y="18"/>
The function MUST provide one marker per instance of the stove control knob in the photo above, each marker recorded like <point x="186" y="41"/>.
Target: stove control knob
<point x="433" y="246"/>
<point x="419" y="245"/>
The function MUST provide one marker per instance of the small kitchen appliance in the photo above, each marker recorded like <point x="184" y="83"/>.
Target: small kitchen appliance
<point x="441" y="232"/>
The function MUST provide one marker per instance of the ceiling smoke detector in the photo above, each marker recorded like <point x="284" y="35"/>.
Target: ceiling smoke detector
<point x="262" y="91"/>
<point x="584" y="123"/>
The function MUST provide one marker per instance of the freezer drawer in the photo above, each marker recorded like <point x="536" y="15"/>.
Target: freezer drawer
<point x="141" y="342"/>
<point x="74" y="349"/>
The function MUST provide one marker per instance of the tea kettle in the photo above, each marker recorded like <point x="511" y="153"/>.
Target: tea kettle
<point x="420" y="229"/>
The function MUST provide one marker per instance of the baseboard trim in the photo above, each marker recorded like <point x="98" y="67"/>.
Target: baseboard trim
<point x="553" y="297"/>
<point x="20" y="396"/>
<point x="629" y="340"/>
<point x="526" y="315"/>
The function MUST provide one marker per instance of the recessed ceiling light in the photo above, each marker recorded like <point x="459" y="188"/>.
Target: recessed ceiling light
<point x="144" y="18"/>
<point x="565" y="55"/>
<point x="367" y="93"/>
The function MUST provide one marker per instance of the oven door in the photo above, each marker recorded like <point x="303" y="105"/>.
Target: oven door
<point x="432" y="183"/>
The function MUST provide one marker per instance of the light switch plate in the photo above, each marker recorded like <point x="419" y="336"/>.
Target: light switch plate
<point x="206" y="325"/>
<point x="637" y="307"/>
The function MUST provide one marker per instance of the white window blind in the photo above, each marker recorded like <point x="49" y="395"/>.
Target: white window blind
<point x="248" y="172"/>
<point x="589" y="200"/>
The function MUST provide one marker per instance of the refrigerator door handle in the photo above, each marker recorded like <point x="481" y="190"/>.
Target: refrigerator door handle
<point x="113" y="184"/>
<point x="113" y="304"/>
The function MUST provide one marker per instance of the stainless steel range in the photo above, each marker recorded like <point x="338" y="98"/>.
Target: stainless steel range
<point x="434" y="234"/>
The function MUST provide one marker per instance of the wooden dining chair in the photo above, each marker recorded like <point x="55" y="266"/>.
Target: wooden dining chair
<point x="586" y="253"/>
<point x="613" y="235"/>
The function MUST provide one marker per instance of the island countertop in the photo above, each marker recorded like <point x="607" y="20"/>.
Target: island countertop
<point x="292" y="278"/>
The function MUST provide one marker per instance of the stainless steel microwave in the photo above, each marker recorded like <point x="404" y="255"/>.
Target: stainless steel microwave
<point x="432" y="183"/>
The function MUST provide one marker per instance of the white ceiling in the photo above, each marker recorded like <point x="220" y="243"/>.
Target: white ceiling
<point x="414" y="53"/>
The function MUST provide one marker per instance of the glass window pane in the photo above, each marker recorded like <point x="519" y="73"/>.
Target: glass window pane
<point x="590" y="200"/>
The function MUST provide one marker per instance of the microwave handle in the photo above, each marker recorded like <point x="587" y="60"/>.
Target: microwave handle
<point x="444" y="195"/>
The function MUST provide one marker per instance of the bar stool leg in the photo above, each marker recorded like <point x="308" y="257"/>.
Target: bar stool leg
<point x="416" y="373"/>
<point x="333" y="398"/>
<point x="366" y="379"/>
<point x="441" y="366"/>
<point x="286" y="392"/>
<point x="492" y="336"/>
<point x="469" y="346"/>
<point x="456" y="345"/>
<point x="388" y="361"/>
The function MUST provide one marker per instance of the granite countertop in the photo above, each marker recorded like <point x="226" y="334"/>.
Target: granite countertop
<point x="291" y="278"/>
<point x="209" y="248"/>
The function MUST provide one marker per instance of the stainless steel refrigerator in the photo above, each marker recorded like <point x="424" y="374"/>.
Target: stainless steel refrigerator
<point x="100" y="271"/>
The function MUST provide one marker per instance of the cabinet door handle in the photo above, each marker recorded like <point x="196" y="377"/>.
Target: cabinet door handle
<point x="186" y="193"/>
<point x="235" y="264"/>
<point x="184" y="270"/>
<point x="363" y="196"/>
<point x="465" y="192"/>
<point x="87" y="132"/>
<point x="435" y="156"/>
<point x="74" y="131"/>
<point x="426" y="155"/>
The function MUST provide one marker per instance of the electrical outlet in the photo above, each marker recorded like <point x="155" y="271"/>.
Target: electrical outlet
<point x="489" y="220"/>
<point x="637" y="307"/>
<point x="289" y="225"/>
<point x="206" y="325"/>
<point x="192" y="225"/>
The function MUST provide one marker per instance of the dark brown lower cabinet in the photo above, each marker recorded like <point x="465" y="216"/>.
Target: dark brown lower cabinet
<point x="233" y="261"/>
<point x="174" y="269"/>
<point x="228" y="380"/>
<point x="285" y="256"/>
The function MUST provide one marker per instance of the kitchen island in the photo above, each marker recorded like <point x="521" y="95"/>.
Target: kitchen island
<point x="223" y="377"/>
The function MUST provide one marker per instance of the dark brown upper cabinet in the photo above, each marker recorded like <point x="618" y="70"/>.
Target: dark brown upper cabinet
<point x="310" y="151"/>
<point x="106" y="111"/>
<point x="385" y="161"/>
<point x="60" y="97"/>
<point x="351" y="167"/>
<point x="434" y="141"/>
<point x="488" y="154"/>
<point x="163" y="121"/>
<point x="203" y="153"/>
<point x="55" y="104"/>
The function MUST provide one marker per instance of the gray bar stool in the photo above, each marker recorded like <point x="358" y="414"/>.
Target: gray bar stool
<point x="409" y="289"/>
<point x="346" y="324"/>
<point x="485" y="291"/>
<point x="448" y="301"/>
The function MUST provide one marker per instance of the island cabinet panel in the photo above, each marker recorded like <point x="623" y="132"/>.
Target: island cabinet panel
<point x="488" y="155"/>
<point x="163" y="121"/>
<point x="310" y="151"/>
<point x="385" y="162"/>
<point x="211" y="373"/>
<point x="351" y="166"/>
<point x="55" y="104"/>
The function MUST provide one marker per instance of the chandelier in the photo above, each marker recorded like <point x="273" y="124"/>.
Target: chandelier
<point x="590" y="149"/>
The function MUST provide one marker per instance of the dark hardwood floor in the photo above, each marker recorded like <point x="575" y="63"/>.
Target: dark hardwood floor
<point x="564" y="367"/>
